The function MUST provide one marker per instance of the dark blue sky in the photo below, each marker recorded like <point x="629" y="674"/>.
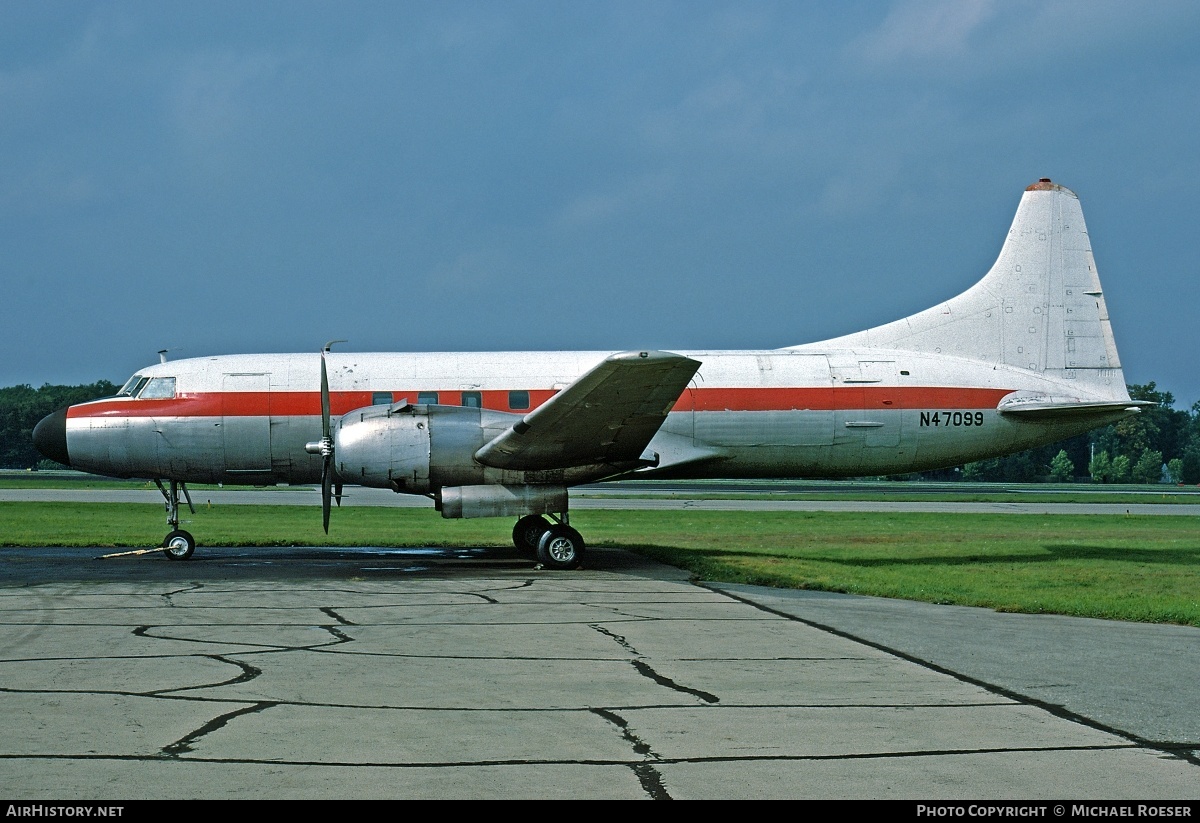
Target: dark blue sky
<point x="222" y="177"/>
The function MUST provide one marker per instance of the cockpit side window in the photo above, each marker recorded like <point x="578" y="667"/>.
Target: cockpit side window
<point x="133" y="386"/>
<point x="159" y="388"/>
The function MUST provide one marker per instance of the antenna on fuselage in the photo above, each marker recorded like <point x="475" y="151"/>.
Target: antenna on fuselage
<point x="162" y="355"/>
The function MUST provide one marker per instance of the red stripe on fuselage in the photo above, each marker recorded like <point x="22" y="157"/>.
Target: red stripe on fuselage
<point x="298" y="404"/>
<point x="828" y="398"/>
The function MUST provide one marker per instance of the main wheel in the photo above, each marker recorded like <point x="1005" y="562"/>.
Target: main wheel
<point x="528" y="533"/>
<point x="561" y="547"/>
<point x="178" y="545"/>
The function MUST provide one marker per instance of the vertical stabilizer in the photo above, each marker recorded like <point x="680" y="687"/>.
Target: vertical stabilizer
<point x="1039" y="308"/>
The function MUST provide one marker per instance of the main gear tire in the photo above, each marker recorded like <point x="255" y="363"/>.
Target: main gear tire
<point x="561" y="547"/>
<point x="528" y="533"/>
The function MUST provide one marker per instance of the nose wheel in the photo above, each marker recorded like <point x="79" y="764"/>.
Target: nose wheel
<point x="179" y="545"/>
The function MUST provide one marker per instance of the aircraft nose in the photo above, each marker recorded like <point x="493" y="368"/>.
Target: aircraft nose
<point x="50" y="437"/>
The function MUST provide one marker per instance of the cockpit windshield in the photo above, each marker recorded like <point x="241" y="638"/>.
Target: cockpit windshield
<point x="159" y="388"/>
<point x="147" y="388"/>
<point x="131" y="388"/>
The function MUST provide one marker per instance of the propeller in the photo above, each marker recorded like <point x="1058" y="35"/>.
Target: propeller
<point x="331" y="485"/>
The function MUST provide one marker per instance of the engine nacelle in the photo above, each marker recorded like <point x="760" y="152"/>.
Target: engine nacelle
<point x="375" y="446"/>
<point x="501" y="501"/>
<point x="416" y="448"/>
<point x="419" y="449"/>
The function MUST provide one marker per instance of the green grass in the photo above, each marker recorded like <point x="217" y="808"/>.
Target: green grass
<point x="893" y="491"/>
<point x="949" y="495"/>
<point x="1138" y="568"/>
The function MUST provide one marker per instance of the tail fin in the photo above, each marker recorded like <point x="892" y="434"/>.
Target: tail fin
<point x="1039" y="308"/>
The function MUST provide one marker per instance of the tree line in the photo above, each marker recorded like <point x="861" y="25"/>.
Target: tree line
<point x="21" y="407"/>
<point x="1161" y="444"/>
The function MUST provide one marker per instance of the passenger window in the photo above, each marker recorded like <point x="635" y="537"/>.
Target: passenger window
<point x="428" y="398"/>
<point x="380" y="398"/>
<point x="472" y="399"/>
<point x="159" y="388"/>
<point x="518" y="400"/>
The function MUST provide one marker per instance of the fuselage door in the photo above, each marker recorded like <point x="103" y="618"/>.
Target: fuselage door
<point x="246" y="423"/>
<point x="868" y="411"/>
<point x="804" y="384"/>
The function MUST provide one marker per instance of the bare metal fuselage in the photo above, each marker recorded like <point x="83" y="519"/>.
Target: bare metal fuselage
<point x="246" y="419"/>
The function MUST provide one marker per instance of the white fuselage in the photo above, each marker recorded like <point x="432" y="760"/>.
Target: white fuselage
<point x="772" y="413"/>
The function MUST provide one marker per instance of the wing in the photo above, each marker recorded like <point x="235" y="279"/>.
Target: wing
<point x="608" y="415"/>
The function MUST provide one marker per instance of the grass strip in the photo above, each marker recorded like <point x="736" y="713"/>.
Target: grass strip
<point x="1118" y="567"/>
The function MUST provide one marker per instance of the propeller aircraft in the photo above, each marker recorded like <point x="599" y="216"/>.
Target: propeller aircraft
<point x="1022" y="358"/>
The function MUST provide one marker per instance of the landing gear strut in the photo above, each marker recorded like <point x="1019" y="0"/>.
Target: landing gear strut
<point x="556" y="545"/>
<point x="178" y="544"/>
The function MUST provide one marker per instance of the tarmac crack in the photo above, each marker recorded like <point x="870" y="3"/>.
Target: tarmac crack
<point x="329" y="611"/>
<point x="647" y="670"/>
<point x="248" y="673"/>
<point x="647" y="774"/>
<point x="642" y="767"/>
<point x="1185" y="753"/>
<point x="617" y="637"/>
<point x="339" y="638"/>
<point x="184" y="744"/>
<point x="484" y="597"/>
<point x="168" y="596"/>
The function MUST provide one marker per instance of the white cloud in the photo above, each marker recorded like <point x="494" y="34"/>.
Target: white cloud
<point x="925" y="29"/>
<point x="211" y="99"/>
<point x="633" y="195"/>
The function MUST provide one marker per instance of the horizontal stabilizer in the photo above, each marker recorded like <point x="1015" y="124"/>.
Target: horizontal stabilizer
<point x="1039" y="406"/>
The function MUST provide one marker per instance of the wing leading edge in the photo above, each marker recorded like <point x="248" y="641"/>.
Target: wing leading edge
<point x="608" y="415"/>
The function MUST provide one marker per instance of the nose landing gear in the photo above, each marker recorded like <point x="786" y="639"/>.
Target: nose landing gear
<point x="178" y="544"/>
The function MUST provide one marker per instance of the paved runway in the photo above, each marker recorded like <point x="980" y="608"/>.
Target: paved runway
<point x="302" y="673"/>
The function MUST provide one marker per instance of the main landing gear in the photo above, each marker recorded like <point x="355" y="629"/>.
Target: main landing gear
<point x="178" y="544"/>
<point x="555" y="544"/>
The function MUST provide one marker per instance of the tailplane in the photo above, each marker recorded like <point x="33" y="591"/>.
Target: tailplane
<point x="1040" y="308"/>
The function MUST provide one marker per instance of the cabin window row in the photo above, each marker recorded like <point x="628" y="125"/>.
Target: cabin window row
<point x="163" y="388"/>
<point x="517" y="400"/>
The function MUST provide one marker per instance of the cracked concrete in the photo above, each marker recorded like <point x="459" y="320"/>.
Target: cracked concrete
<point x="295" y="673"/>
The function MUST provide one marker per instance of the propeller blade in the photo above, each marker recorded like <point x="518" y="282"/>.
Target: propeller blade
<point x="337" y="491"/>
<point x="324" y="396"/>
<point x="327" y="469"/>
<point x="326" y="490"/>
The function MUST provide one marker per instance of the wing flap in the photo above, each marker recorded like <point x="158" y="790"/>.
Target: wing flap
<point x="608" y="415"/>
